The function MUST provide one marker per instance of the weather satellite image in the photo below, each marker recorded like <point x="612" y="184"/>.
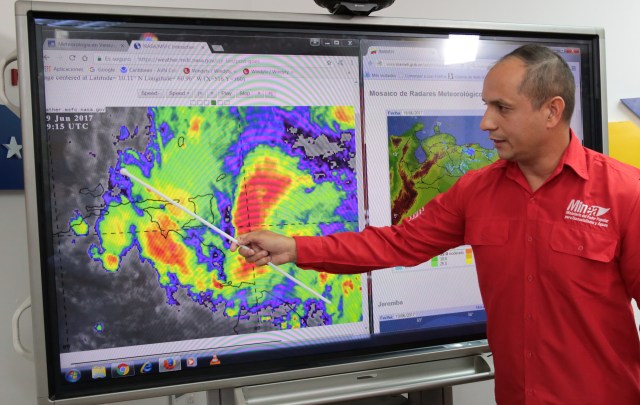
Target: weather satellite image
<point x="132" y="269"/>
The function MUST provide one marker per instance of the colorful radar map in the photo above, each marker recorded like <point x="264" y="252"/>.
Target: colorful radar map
<point x="427" y="154"/>
<point x="133" y="269"/>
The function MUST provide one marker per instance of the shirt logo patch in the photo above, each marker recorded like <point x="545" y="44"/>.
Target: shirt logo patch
<point x="590" y="214"/>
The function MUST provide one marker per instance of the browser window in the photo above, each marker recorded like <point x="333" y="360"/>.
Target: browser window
<point x="423" y="110"/>
<point x="192" y="110"/>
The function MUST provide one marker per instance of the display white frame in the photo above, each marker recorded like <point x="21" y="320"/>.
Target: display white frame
<point x="428" y="355"/>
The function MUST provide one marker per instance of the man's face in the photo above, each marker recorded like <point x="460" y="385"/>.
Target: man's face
<point x="517" y="130"/>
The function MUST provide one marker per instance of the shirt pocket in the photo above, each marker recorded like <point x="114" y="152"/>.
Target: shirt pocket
<point x="597" y="246"/>
<point x="486" y="232"/>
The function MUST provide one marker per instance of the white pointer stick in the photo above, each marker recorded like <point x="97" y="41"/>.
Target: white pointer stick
<point x="214" y="228"/>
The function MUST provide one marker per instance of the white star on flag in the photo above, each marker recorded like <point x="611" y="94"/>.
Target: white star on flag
<point x="13" y="148"/>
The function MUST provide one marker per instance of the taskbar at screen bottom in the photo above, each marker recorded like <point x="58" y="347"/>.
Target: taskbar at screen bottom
<point x="131" y="368"/>
<point x="220" y="365"/>
<point x="109" y="376"/>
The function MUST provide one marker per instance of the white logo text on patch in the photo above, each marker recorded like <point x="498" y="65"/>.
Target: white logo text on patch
<point x="590" y="214"/>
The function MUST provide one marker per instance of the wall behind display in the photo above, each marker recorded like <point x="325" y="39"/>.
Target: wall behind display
<point x="618" y="17"/>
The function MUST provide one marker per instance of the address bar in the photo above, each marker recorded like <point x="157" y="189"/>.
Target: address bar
<point x="421" y="64"/>
<point x="165" y="58"/>
<point x="243" y="62"/>
<point x="399" y="63"/>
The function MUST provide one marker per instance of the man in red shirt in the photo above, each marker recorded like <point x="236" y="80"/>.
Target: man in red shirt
<point x="555" y="230"/>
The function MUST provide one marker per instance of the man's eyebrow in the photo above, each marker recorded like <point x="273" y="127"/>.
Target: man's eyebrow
<point x="497" y="101"/>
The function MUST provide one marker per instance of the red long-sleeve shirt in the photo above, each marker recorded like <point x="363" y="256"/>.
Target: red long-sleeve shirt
<point x="557" y="270"/>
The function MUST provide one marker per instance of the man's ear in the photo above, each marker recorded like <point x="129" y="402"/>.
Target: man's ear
<point x="555" y="107"/>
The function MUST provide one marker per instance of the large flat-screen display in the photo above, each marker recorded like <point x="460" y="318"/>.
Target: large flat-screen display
<point x="304" y="125"/>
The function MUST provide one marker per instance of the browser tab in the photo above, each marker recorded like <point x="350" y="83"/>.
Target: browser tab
<point x="85" y="45"/>
<point x="216" y="48"/>
<point x="169" y="46"/>
<point x="404" y="52"/>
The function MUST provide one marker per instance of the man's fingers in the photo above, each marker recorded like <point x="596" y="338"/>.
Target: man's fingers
<point x="260" y="258"/>
<point x="255" y="256"/>
<point x="246" y="251"/>
<point x="264" y="261"/>
<point x="250" y="246"/>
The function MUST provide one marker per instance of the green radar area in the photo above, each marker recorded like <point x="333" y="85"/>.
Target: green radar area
<point x="428" y="154"/>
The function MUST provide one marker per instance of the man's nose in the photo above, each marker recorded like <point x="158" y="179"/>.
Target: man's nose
<point x="487" y="123"/>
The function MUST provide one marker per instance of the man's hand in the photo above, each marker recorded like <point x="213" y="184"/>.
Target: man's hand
<point x="262" y="247"/>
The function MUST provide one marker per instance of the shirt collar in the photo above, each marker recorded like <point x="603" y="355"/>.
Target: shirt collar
<point x="573" y="157"/>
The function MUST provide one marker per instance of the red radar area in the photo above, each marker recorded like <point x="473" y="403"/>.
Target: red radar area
<point x="261" y="190"/>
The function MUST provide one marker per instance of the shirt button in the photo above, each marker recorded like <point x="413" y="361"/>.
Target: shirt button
<point x="530" y="278"/>
<point x="529" y="238"/>
<point x="532" y="200"/>
<point x="580" y="248"/>
<point x="529" y="317"/>
<point x="529" y="354"/>
<point x="529" y="391"/>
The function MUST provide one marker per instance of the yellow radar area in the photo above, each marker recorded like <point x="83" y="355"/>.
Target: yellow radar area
<point x="78" y="225"/>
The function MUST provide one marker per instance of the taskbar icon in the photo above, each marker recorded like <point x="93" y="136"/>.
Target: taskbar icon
<point x="72" y="375"/>
<point x="98" y="372"/>
<point x="122" y="369"/>
<point x="146" y="367"/>
<point x="166" y="364"/>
